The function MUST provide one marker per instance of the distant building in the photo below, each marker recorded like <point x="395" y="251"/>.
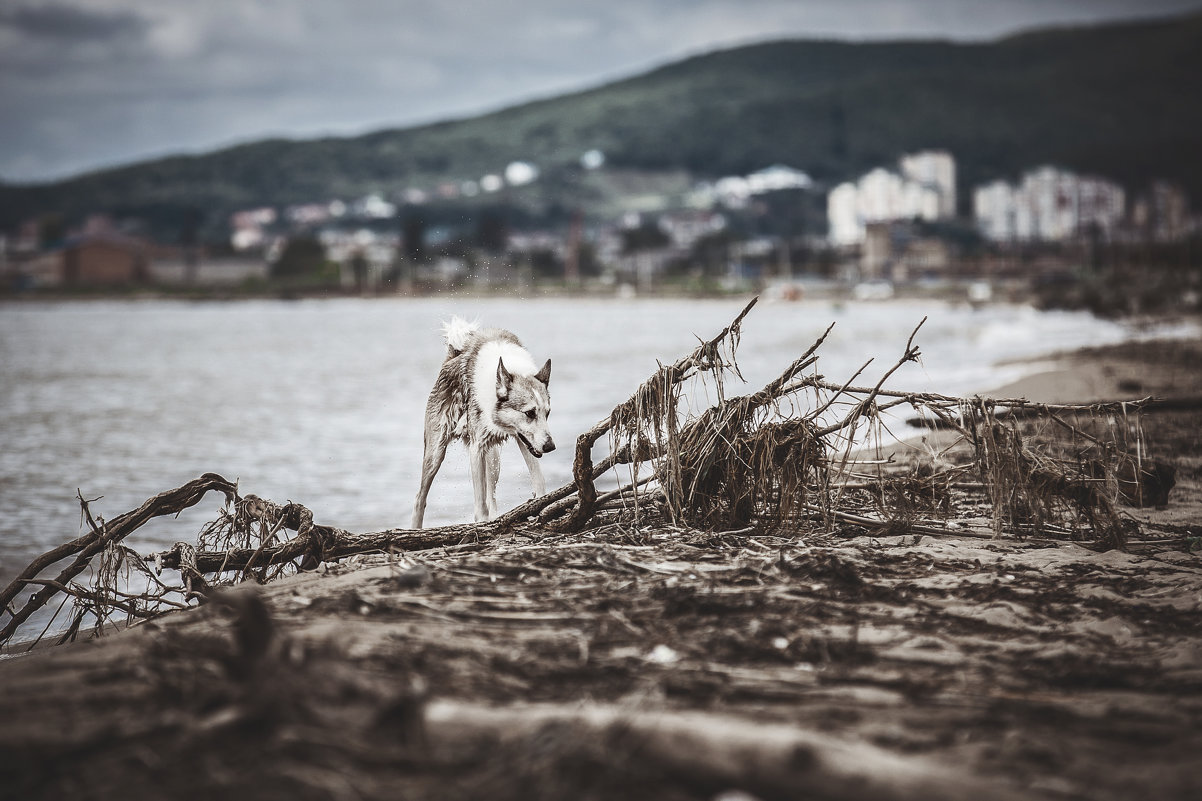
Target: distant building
<point x="923" y="188"/>
<point x="935" y="169"/>
<point x="248" y="218"/>
<point x="373" y="207"/>
<point x="96" y="259"/>
<point x="733" y="191"/>
<point x="247" y="227"/>
<point x="896" y="251"/>
<point x="85" y="260"/>
<point x="36" y="270"/>
<point x="171" y="268"/>
<point x="842" y="211"/>
<point x="1162" y="214"/>
<point x="364" y="257"/>
<point x="924" y="257"/>
<point x="1101" y="205"/>
<point x="776" y="178"/>
<point x="28" y="237"/>
<point x="878" y="250"/>
<point x="995" y="210"/>
<point x="308" y="214"/>
<point x="686" y="228"/>
<point x="1048" y="205"/>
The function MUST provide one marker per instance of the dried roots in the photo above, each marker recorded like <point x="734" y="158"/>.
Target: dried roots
<point x="793" y="456"/>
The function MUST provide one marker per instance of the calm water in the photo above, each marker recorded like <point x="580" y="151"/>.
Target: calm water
<point x="321" y="402"/>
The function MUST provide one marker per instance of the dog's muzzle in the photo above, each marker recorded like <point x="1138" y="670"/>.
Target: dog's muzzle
<point x="537" y="453"/>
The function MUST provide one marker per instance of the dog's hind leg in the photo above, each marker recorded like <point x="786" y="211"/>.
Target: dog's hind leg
<point x="477" y="455"/>
<point x="538" y="483"/>
<point x="492" y="466"/>
<point x="433" y="452"/>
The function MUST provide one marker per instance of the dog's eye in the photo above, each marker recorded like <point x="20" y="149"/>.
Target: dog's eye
<point x="530" y="414"/>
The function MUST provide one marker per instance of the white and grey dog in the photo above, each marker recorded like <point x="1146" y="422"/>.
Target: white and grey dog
<point x="487" y="391"/>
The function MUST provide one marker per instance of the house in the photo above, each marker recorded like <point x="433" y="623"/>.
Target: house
<point x="174" y="267"/>
<point x="1162" y="214"/>
<point x="104" y="259"/>
<point x="98" y="259"/>
<point x="899" y="252"/>
<point x="248" y="227"/>
<point x="38" y="270"/>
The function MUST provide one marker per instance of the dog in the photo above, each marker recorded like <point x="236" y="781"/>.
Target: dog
<point x="488" y="390"/>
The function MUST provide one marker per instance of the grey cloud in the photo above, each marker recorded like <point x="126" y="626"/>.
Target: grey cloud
<point x="83" y="88"/>
<point x="73" y="24"/>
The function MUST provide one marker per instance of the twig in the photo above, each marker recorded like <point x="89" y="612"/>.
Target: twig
<point x="87" y="546"/>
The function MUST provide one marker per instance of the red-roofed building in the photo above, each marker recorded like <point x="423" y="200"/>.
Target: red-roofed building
<point x="105" y="259"/>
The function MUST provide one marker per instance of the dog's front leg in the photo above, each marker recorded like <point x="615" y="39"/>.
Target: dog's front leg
<point x="477" y="454"/>
<point x="537" y="482"/>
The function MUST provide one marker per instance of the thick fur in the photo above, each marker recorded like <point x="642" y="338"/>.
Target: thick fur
<point x="487" y="391"/>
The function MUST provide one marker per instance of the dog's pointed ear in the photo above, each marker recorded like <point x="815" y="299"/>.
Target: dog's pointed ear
<point x="504" y="380"/>
<point x="544" y="374"/>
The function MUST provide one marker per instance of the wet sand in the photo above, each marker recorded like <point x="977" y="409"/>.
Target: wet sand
<point x="668" y="663"/>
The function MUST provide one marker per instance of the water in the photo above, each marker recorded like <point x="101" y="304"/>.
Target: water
<point x="321" y="402"/>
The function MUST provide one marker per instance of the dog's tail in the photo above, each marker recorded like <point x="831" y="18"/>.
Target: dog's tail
<point x="457" y="331"/>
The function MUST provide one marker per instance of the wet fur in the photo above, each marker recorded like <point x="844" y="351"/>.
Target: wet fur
<point x="487" y="391"/>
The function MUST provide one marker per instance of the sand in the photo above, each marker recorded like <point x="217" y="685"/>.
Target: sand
<point x="664" y="663"/>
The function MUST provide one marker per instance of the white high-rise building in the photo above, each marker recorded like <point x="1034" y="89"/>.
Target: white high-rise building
<point x="846" y="227"/>
<point x="924" y="189"/>
<point x="1049" y="205"/>
<point x="994" y="209"/>
<point x="937" y="169"/>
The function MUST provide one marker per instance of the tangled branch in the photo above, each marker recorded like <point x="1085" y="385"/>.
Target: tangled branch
<point x="783" y="457"/>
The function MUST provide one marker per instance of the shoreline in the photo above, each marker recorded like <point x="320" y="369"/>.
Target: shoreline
<point x="1120" y="371"/>
<point x="801" y="289"/>
<point x="1021" y="668"/>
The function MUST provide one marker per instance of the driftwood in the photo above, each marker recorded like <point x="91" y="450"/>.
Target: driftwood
<point x="685" y="664"/>
<point x="100" y="536"/>
<point x="780" y="457"/>
<point x="717" y="751"/>
<point x="312" y="545"/>
<point x="1021" y="408"/>
<point x="205" y="689"/>
<point x="658" y="396"/>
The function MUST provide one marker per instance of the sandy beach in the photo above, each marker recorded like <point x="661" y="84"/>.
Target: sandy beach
<point x="643" y="662"/>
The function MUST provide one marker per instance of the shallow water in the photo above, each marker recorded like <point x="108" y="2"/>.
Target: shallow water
<point x="321" y="402"/>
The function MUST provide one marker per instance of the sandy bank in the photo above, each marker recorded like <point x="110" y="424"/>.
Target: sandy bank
<point x="621" y="663"/>
<point x="1160" y="368"/>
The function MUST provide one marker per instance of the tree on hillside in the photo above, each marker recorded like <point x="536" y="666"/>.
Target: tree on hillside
<point x="647" y="236"/>
<point x="492" y="233"/>
<point x="302" y="255"/>
<point x="51" y="230"/>
<point x="711" y="253"/>
<point x="413" y="235"/>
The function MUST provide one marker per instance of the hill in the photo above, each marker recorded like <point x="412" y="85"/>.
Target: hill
<point x="1119" y="100"/>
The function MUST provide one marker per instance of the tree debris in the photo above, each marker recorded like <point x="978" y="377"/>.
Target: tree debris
<point x="776" y="459"/>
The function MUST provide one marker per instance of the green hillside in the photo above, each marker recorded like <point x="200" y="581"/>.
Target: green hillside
<point x="1117" y="100"/>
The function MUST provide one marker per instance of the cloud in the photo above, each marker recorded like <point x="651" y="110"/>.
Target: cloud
<point x="65" y="23"/>
<point x="84" y="83"/>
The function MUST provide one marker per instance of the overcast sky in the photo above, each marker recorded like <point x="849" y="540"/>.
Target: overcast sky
<point x="91" y="83"/>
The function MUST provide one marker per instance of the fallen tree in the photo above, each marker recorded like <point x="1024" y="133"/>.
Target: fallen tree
<point x="783" y="456"/>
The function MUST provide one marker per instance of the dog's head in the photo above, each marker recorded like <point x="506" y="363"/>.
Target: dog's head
<point x="523" y="403"/>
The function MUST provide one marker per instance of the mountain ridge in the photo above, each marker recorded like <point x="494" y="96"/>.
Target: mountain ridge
<point x="1110" y="99"/>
